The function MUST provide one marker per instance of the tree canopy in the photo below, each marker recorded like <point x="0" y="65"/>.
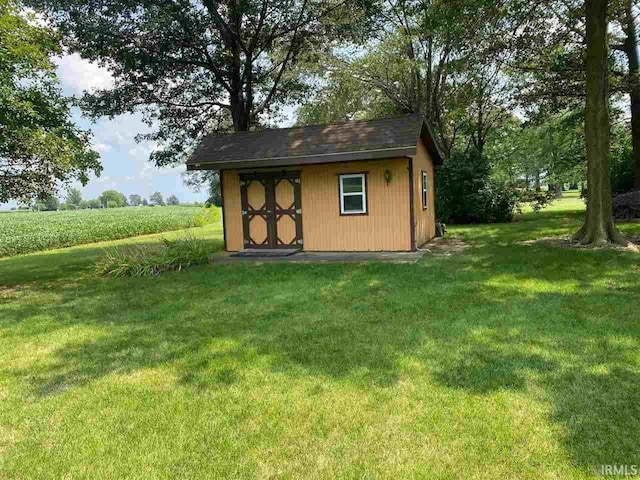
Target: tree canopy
<point x="74" y="197"/>
<point x="135" y="200"/>
<point x="40" y="147"/>
<point x="156" y="198"/>
<point x="112" y="198"/>
<point x="192" y="67"/>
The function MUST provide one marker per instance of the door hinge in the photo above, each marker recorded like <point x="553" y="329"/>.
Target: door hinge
<point x="244" y="212"/>
<point x="299" y="242"/>
<point x="297" y="180"/>
<point x="299" y="211"/>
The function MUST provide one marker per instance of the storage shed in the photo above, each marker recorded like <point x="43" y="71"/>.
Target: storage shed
<point x="351" y="186"/>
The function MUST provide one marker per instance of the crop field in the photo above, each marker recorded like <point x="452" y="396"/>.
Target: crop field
<point x="24" y="232"/>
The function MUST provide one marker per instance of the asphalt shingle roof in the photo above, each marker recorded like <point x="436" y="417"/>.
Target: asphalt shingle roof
<point x="353" y="140"/>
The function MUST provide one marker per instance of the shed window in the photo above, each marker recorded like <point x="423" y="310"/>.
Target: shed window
<point x="425" y="189"/>
<point x="353" y="194"/>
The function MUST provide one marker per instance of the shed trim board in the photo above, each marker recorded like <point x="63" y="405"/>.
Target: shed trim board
<point x="224" y="217"/>
<point x="305" y="159"/>
<point x="412" y="209"/>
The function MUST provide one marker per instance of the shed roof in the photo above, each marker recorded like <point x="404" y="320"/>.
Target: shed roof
<point x="339" y="142"/>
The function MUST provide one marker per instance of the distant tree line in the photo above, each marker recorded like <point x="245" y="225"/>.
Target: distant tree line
<point x="108" y="199"/>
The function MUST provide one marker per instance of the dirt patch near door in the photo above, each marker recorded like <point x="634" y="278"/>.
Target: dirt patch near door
<point x="445" y="246"/>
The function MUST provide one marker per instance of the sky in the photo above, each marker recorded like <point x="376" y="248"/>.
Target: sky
<point x="125" y="162"/>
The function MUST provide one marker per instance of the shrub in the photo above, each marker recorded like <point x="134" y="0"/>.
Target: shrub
<point x="627" y="206"/>
<point x="465" y="193"/>
<point x="208" y="215"/>
<point x="170" y="255"/>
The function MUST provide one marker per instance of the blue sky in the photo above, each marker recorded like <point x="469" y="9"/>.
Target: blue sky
<point x="125" y="162"/>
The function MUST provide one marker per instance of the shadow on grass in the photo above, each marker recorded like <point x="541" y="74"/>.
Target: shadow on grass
<point x="592" y="386"/>
<point x="486" y="370"/>
<point x="510" y="318"/>
<point x="536" y="226"/>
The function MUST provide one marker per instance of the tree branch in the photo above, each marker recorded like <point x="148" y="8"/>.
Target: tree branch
<point x="276" y="82"/>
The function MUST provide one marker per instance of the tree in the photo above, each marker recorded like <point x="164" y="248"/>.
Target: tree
<point x="92" y="204"/>
<point x="442" y="59"/>
<point x="173" y="200"/>
<point x="598" y="228"/>
<point x="135" y="200"/>
<point x="193" y="67"/>
<point x="621" y="159"/>
<point x="74" y="198"/>
<point x="145" y="203"/>
<point x="112" y="199"/>
<point x="547" y="148"/>
<point x="39" y="145"/>
<point x="211" y="179"/>
<point x="629" y="45"/>
<point x="551" y="67"/>
<point x="49" y="204"/>
<point x="156" y="198"/>
<point x="215" y="192"/>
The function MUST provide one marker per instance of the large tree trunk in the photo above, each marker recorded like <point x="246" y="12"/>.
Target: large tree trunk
<point x="631" y="49"/>
<point x="598" y="228"/>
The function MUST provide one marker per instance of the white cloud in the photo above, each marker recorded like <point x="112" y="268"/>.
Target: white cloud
<point x="149" y="170"/>
<point x="102" y="147"/>
<point x="142" y="151"/>
<point x="79" y="74"/>
<point x="103" y="179"/>
<point x="146" y="171"/>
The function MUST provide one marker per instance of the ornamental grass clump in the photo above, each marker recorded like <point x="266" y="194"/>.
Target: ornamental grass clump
<point x="170" y="255"/>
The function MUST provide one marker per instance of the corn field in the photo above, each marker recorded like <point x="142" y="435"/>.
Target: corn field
<point x="24" y="232"/>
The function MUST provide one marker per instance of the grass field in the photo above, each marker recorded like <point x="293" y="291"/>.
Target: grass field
<point x="24" y="232"/>
<point x="509" y="360"/>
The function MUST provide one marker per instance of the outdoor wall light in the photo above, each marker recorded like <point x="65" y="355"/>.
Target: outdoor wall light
<point x="387" y="176"/>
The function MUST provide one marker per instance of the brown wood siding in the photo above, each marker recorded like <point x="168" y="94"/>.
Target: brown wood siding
<point x="232" y="211"/>
<point x="425" y="219"/>
<point x="386" y="227"/>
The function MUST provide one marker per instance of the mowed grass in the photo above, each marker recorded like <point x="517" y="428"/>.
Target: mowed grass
<point x="510" y="360"/>
<point x="25" y="232"/>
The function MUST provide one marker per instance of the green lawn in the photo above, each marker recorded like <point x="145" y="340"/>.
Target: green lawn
<point x="509" y="360"/>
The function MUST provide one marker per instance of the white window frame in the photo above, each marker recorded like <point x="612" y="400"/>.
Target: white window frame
<point x="363" y="194"/>
<point x="424" y="189"/>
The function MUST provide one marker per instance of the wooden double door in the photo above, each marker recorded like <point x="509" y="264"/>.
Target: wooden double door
<point x="271" y="210"/>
